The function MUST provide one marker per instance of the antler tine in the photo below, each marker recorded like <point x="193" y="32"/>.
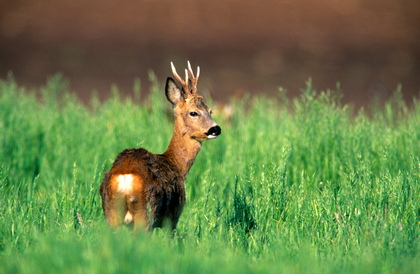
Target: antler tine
<point x="186" y="78"/>
<point x="190" y="70"/>
<point x="176" y="74"/>
<point x="194" y="79"/>
<point x="183" y="83"/>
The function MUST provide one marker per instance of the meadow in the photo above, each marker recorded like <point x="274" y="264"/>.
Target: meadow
<point x="303" y="185"/>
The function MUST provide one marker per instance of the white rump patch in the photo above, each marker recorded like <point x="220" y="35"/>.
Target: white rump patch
<point x="125" y="183"/>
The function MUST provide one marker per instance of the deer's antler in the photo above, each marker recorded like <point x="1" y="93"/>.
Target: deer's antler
<point x="194" y="79"/>
<point x="185" y="83"/>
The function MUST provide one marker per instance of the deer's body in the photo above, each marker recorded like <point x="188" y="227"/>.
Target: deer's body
<point x="142" y="184"/>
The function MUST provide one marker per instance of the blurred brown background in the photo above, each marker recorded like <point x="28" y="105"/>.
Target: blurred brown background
<point x="369" y="46"/>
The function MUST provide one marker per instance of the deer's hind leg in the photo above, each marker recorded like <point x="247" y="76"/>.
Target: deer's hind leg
<point x="113" y="210"/>
<point x="137" y="213"/>
<point x="137" y="205"/>
<point x="110" y="202"/>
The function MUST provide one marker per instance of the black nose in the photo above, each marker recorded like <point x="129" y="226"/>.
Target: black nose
<point x="214" y="131"/>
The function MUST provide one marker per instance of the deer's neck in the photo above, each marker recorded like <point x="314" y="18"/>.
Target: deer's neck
<point x="182" y="150"/>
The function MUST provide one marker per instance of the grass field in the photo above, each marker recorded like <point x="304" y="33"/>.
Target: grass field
<point x="291" y="186"/>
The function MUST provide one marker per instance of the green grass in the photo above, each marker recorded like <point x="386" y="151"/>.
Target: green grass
<point x="293" y="186"/>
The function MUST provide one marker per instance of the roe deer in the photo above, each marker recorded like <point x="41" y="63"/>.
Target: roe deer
<point x="142" y="184"/>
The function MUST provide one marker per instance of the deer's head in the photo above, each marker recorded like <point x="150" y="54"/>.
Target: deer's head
<point x="192" y="115"/>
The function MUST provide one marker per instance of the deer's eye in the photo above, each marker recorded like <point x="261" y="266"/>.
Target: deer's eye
<point x="211" y="112"/>
<point x="194" y="114"/>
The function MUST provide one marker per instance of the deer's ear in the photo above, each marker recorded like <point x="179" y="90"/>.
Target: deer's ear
<point x="173" y="93"/>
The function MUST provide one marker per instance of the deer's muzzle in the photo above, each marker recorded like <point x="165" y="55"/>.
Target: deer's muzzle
<point x="213" y="132"/>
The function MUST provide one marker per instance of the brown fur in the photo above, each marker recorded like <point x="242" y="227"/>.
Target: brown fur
<point x="160" y="185"/>
<point x="157" y="186"/>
